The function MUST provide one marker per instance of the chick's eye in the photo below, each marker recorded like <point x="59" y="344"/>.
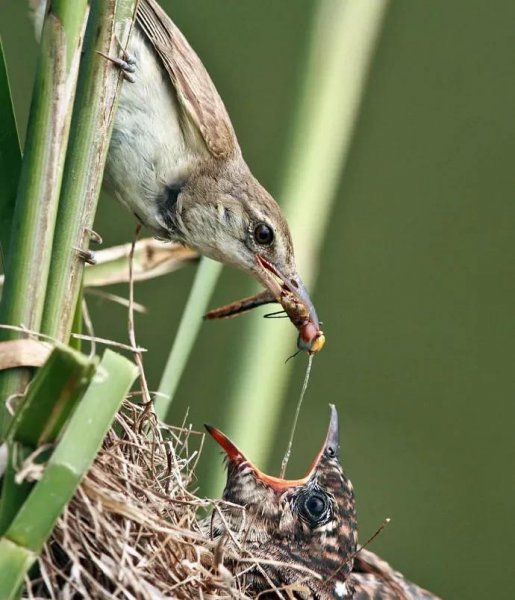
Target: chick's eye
<point x="263" y="234"/>
<point x="315" y="505"/>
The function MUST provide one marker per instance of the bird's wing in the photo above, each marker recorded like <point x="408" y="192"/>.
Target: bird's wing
<point x="370" y="587"/>
<point x="195" y="90"/>
<point x="372" y="577"/>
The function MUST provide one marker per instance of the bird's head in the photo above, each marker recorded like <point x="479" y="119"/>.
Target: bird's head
<point x="309" y="521"/>
<point x="224" y="213"/>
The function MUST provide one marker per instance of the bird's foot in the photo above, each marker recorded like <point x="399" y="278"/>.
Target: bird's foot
<point x="94" y="236"/>
<point x="87" y="256"/>
<point x="126" y="63"/>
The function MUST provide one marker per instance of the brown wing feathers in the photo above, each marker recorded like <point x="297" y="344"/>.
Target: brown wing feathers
<point x="195" y="90"/>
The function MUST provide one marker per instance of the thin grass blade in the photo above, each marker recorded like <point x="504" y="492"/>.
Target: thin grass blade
<point x="202" y="289"/>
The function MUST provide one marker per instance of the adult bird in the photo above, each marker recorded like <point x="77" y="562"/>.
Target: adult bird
<point x="174" y="161"/>
<point x="304" y="529"/>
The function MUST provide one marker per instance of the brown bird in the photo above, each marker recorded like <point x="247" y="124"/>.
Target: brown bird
<point x="174" y="161"/>
<point x="304" y="524"/>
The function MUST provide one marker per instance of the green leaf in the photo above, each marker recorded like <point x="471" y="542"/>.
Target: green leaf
<point x="66" y="467"/>
<point x="51" y="398"/>
<point x="16" y="563"/>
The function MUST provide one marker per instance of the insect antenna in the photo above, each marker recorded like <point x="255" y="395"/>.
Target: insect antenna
<point x="292" y="356"/>
<point x="278" y="314"/>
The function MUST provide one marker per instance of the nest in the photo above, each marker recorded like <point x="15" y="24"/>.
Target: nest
<point x="133" y="530"/>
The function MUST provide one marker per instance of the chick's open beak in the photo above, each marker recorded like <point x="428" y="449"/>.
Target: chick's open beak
<point x="330" y="448"/>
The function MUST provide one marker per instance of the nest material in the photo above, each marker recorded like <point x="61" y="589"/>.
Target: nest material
<point x="132" y="529"/>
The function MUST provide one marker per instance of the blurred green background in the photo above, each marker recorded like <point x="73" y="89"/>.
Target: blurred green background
<point x="417" y="281"/>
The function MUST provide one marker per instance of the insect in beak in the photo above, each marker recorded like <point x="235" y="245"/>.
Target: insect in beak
<point x="293" y="297"/>
<point x="296" y="302"/>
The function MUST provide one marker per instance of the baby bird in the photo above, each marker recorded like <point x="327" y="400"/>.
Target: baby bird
<point x="308" y="527"/>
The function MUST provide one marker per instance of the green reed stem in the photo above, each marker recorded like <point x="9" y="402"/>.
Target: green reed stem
<point x="341" y="46"/>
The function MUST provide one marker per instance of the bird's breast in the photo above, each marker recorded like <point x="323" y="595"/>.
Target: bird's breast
<point x="153" y="149"/>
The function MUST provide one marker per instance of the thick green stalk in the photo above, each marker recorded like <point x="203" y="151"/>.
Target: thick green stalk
<point x="10" y="157"/>
<point x="29" y="253"/>
<point x="99" y="84"/>
<point x="205" y="281"/>
<point x="342" y="43"/>
<point x="66" y="467"/>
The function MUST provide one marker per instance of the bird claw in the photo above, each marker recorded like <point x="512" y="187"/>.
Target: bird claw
<point x="87" y="256"/>
<point x="94" y="236"/>
<point x="126" y="63"/>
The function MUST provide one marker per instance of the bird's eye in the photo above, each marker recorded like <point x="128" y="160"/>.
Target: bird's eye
<point x="263" y="234"/>
<point x="316" y="507"/>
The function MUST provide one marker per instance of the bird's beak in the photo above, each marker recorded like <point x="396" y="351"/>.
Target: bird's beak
<point x="278" y="283"/>
<point x="331" y="447"/>
<point x="235" y="456"/>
